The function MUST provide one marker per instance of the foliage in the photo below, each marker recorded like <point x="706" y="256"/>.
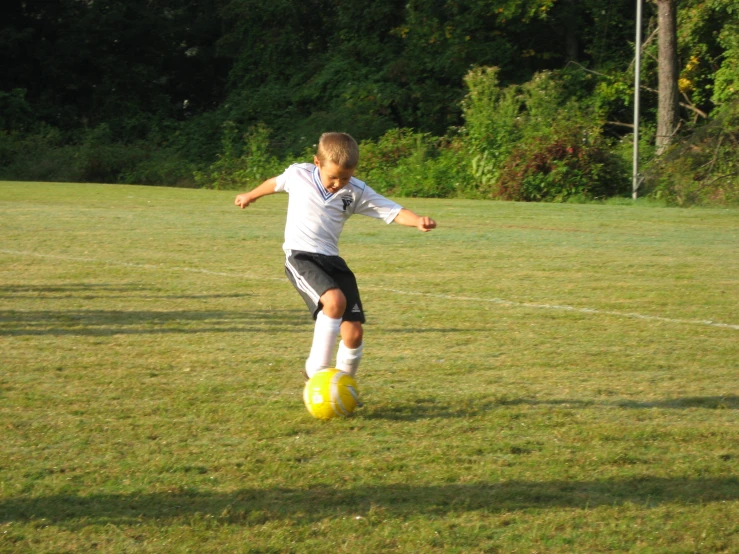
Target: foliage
<point x="127" y="64"/>
<point x="101" y="159"/>
<point x="540" y="141"/>
<point x="699" y="25"/>
<point x="727" y="75"/>
<point x="492" y="124"/>
<point x="46" y="154"/>
<point x="704" y="168"/>
<point x="42" y="155"/>
<point x="141" y="90"/>
<point x="241" y="165"/>
<point x="404" y="163"/>
<point x="15" y="111"/>
<point x="369" y="68"/>
<point x="161" y="166"/>
<point x="559" y="168"/>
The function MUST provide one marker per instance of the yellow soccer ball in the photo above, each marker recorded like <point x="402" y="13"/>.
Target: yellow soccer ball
<point x="331" y="393"/>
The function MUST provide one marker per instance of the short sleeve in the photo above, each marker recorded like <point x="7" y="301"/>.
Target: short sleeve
<point x="282" y="181"/>
<point x="375" y="205"/>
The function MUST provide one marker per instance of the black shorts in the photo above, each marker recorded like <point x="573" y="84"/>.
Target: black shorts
<point x="313" y="274"/>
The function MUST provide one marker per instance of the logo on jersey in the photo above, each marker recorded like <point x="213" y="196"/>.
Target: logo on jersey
<point x="347" y="201"/>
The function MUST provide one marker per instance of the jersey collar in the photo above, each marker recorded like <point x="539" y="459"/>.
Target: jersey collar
<point x="319" y="186"/>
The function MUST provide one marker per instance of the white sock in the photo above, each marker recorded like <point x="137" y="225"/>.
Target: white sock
<point x="324" y="341"/>
<point x="347" y="360"/>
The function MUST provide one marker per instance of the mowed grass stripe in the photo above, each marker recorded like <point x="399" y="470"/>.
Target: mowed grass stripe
<point x="452" y="298"/>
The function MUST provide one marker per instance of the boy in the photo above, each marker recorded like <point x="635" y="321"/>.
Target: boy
<point x="322" y="197"/>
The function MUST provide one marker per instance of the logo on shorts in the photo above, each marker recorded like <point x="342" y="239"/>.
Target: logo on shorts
<point x="356" y="309"/>
<point x="347" y="201"/>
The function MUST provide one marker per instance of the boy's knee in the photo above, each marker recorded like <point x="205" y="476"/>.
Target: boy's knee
<point x="333" y="303"/>
<point x="352" y="333"/>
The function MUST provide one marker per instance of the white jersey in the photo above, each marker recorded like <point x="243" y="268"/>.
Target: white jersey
<point x="316" y="217"/>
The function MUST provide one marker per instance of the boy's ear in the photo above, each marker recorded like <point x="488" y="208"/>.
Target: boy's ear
<point x="317" y="162"/>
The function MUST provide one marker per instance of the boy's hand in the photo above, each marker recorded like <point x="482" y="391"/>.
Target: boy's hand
<point x="268" y="187"/>
<point x="409" y="219"/>
<point x="243" y="200"/>
<point x="425" y="224"/>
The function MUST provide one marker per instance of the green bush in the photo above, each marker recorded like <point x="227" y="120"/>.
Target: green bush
<point x="404" y="163"/>
<point x="164" y="167"/>
<point x="560" y="167"/>
<point x="15" y="112"/>
<point x="244" y="161"/>
<point x="492" y="125"/>
<point x="100" y="159"/>
<point x="48" y="155"/>
<point x="702" y="169"/>
<point x="540" y="141"/>
<point x="40" y="155"/>
<point x="379" y="159"/>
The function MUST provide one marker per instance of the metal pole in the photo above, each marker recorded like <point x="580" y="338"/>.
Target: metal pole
<point x="637" y="75"/>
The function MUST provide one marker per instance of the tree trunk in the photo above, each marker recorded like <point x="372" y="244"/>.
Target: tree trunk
<point x="573" y="29"/>
<point x="668" y="116"/>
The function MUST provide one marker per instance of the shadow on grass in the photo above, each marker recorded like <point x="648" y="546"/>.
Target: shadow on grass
<point x="431" y="408"/>
<point x="427" y="330"/>
<point x="122" y="322"/>
<point x="728" y="402"/>
<point x="90" y="291"/>
<point x="67" y="288"/>
<point x="256" y="506"/>
<point x="427" y="408"/>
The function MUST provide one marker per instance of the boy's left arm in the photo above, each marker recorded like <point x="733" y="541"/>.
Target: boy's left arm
<point x="410" y="219"/>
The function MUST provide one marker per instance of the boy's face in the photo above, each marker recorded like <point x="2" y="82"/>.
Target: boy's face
<point x="333" y="176"/>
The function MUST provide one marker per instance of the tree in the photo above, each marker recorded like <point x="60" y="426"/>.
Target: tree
<point x="668" y="115"/>
<point x="123" y="63"/>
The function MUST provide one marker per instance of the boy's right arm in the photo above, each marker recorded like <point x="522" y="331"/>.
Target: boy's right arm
<point x="266" y="188"/>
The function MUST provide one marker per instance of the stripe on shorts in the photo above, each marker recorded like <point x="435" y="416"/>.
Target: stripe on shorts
<point x="301" y="283"/>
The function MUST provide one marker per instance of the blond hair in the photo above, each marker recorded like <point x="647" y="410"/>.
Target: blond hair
<point x="339" y="148"/>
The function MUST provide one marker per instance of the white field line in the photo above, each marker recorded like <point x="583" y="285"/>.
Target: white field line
<point x="455" y="298"/>
<point x="558" y="307"/>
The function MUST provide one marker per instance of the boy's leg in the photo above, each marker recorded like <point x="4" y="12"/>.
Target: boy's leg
<point x="350" y="347"/>
<point x="328" y="324"/>
<point x="339" y="302"/>
<point x="325" y="301"/>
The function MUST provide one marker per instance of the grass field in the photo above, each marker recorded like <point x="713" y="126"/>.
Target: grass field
<point x="537" y="378"/>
